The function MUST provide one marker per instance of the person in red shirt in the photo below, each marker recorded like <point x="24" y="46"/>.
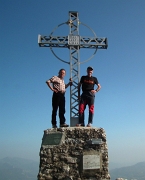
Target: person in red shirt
<point x="88" y="96"/>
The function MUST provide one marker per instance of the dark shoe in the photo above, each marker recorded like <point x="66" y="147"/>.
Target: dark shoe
<point x="64" y="125"/>
<point x="80" y="125"/>
<point x="54" y="126"/>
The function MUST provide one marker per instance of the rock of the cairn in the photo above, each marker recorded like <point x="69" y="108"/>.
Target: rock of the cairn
<point x="74" y="153"/>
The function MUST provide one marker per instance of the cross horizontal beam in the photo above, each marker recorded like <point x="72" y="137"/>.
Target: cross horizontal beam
<point x="63" y="41"/>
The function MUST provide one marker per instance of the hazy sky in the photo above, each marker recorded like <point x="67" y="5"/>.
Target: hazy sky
<point x="25" y="99"/>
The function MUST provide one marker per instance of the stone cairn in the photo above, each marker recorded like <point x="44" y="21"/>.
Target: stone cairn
<point x="74" y="153"/>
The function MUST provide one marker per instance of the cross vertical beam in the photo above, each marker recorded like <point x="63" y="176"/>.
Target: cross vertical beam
<point x="74" y="66"/>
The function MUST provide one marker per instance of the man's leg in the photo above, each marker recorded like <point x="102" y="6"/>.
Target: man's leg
<point x="62" y="110"/>
<point x="55" y="102"/>
<point x="91" y="109"/>
<point x="82" y="107"/>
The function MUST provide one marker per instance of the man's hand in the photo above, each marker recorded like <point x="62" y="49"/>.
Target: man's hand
<point x="55" y="90"/>
<point x="79" y="97"/>
<point x="93" y="91"/>
<point x="70" y="81"/>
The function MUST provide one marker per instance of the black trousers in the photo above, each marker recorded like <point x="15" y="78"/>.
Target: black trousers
<point x="58" y="101"/>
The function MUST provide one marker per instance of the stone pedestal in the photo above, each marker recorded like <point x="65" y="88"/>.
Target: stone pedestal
<point x="74" y="153"/>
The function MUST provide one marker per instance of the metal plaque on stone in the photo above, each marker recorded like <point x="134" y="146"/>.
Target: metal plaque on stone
<point x="52" y="139"/>
<point x="91" y="162"/>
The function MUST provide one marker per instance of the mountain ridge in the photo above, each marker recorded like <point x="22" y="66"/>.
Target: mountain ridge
<point x="136" y="171"/>
<point x="15" y="168"/>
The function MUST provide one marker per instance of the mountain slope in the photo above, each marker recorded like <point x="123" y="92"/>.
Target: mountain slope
<point x="136" y="171"/>
<point x="23" y="169"/>
<point x="18" y="169"/>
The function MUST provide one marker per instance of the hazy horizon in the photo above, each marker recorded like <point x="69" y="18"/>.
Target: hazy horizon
<point x="112" y="165"/>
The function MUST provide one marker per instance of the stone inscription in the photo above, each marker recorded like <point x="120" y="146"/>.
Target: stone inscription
<point x="91" y="162"/>
<point x="52" y="139"/>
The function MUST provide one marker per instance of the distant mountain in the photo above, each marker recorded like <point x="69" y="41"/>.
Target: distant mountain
<point x="113" y="165"/>
<point x="136" y="171"/>
<point x="18" y="169"/>
<point x="23" y="169"/>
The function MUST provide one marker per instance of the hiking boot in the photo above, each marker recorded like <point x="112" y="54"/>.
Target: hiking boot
<point x="64" y="125"/>
<point x="54" y="126"/>
<point x="89" y="125"/>
<point x="80" y="125"/>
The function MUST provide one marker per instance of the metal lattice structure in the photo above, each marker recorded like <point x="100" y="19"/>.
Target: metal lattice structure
<point x="73" y="42"/>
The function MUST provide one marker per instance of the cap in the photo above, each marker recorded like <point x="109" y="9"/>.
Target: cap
<point x="90" y="68"/>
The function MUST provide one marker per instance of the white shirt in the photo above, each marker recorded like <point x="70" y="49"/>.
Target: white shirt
<point x="58" y="83"/>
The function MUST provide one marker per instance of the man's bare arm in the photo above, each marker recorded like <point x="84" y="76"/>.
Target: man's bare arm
<point x="98" y="88"/>
<point x="69" y="84"/>
<point x="50" y="86"/>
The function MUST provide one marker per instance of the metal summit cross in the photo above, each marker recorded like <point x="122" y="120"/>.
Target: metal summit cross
<point x="73" y="42"/>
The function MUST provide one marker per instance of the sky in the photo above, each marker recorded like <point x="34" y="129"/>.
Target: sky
<point x="25" y="99"/>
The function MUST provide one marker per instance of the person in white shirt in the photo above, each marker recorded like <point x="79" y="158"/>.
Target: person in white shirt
<point x="58" y="86"/>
